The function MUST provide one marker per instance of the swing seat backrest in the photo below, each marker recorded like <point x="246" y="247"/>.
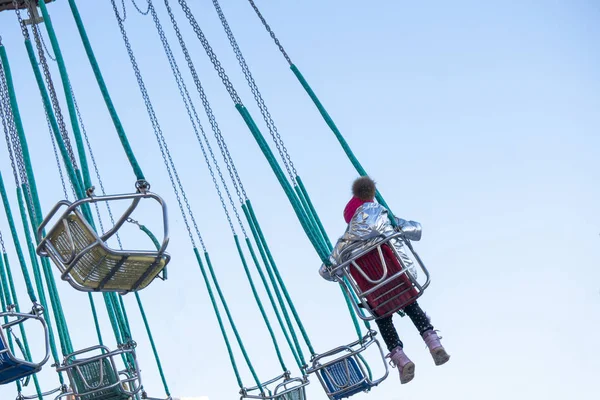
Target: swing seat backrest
<point x="287" y="388"/>
<point x="397" y="291"/>
<point x="377" y="276"/>
<point x="95" y="375"/>
<point x="296" y="394"/>
<point x="291" y="389"/>
<point x="344" y="379"/>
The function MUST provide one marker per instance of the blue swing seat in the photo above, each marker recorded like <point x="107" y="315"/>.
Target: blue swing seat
<point x="11" y="369"/>
<point x="344" y="379"/>
<point x="343" y="371"/>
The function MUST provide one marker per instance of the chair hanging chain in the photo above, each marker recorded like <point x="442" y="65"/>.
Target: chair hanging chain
<point x="165" y="153"/>
<point x="139" y="9"/>
<point x="199" y="131"/>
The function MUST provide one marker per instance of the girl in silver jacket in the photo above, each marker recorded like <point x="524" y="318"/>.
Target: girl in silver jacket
<point x="368" y="224"/>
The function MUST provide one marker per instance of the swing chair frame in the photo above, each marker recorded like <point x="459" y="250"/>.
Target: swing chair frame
<point x="281" y="392"/>
<point x="130" y="385"/>
<point x="67" y="256"/>
<point x="35" y="314"/>
<point x="346" y="357"/>
<point x="341" y="274"/>
<point x="63" y="389"/>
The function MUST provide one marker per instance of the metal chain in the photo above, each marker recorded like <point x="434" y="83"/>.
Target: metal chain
<point x="168" y="161"/>
<point x="233" y="173"/>
<point x="6" y="116"/>
<point x="199" y="129"/>
<point x="57" y="158"/>
<point x="15" y="152"/>
<point x="53" y="58"/>
<point x="20" y="18"/>
<point x="283" y="153"/>
<point x="122" y="19"/>
<point x="52" y="91"/>
<point x="2" y="243"/>
<point x="96" y="169"/>
<point x="209" y="51"/>
<point x="268" y="28"/>
<point x="139" y="9"/>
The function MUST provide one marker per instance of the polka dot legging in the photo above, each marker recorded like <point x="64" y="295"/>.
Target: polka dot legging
<point x="389" y="333"/>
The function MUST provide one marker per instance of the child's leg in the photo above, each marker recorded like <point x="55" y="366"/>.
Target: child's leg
<point x="394" y="345"/>
<point x="431" y="338"/>
<point x="418" y="317"/>
<point x="389" y="333"/>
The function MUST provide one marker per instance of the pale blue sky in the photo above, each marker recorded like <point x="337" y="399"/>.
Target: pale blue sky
<point x="478" y="119"/>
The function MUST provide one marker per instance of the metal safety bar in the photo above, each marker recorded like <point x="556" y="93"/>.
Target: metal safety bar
<point x="341" y="273"/>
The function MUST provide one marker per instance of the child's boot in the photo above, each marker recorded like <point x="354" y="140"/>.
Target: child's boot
<point x="402" y="362"/>
<point x="436" y="349"/>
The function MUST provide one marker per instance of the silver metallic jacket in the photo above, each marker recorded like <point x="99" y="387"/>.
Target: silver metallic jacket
<point x="369" y="225"/>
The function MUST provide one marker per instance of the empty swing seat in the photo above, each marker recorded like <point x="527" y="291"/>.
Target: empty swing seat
<point x="88" y="376"/>
<point x="287" y="388"/>
<point x="87" y="262"/>
<point x="11" y="367"/>
<point x="13" y="370"/>
<point x="97" y="378"/>
<point x="294" y="394"/>
<point x="343" y="372"/>
<point x="344" y="379"/>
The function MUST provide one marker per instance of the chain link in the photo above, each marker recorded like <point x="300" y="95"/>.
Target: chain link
<point x="2" y="243"/>
<point x="209" y="51"/>
<point x="168" y="161"/>
<point x="50" y="56"/>
<point x="139" y="9"/>
<point x="268" y="28"/>
<point x="283" y="153"/>
<point x="122" y="19"/>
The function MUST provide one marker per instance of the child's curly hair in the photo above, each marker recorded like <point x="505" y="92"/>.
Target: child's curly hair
<point x="364" y="188"/>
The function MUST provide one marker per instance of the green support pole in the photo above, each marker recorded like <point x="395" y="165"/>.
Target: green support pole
<point x="345" y="146"/>
<point x="297" y="206"/>
<point x="102" y="85"/>
<point x="67" y="90"/>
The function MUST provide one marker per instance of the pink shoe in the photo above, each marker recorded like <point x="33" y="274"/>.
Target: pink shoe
<point x="435" y="347"/>
<point x="405" y="366"/>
